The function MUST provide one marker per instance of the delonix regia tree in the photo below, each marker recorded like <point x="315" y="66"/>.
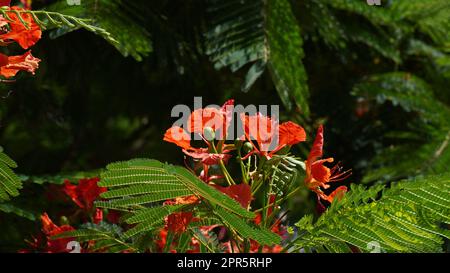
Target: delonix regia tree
<point x="365" y="83"/>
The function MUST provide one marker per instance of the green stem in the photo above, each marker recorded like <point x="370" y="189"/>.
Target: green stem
<point x="223" y="168"/>
<point x="282" y="199"/>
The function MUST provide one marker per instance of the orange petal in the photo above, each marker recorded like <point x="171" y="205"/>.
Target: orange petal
<point x="317" y="148"/>
<point x="320" y="172"/>
<point x="291" y="133"/>
<point x="339" y="193"/>
<point x="25" y="62"/>
<point x="241" y="193"/>
<point x="178" y="136"/>
<point x="25" y="37"/>
<point x="207" y="117"/>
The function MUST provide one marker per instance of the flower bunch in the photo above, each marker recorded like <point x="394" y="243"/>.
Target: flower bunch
<point x="263" y="142"/>
<point x="18" y="26"/>
<point x="82" y="195"/>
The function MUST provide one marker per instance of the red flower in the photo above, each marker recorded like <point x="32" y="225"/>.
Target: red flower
<point x="241" y="193"/>
<point x="98" y="216"/>
<point x="265" y="132"/>
<point x="178" y="222"/>
<point x="24" y="36"/>
<point x="318" y="175"/>
<point x="50" y="229"/>
<point x="216" y="119"/>
<point x="10" y="65"/>
<point x="84" y="193"/>
<point x="5" y="3"/>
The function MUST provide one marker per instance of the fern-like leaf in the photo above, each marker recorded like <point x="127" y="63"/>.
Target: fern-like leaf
<point x="10" y="183"/>
<point x="264" y="34"/>
<point x="104" y="237"/>
<point x="426" y="148"/>
<point x="407" y="218"/>
<point x="116" y="17"/>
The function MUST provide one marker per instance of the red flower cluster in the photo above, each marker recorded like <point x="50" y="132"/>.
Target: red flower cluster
<point x="12" y="28"/>
<point x="45" y="243"/>
<point x="267" y="138"/>
<point x="85" y="193"/>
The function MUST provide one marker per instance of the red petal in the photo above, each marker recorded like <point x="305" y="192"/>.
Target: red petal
<point x="320" y="172"/>
<point x="291" y="133"/>
<point x="241" y="193"/>
<point x="25" y="62"/>
<point x="178" y="221"/>
<point x="339" y="193"/>
<point x="25" y="37"/>
<point x="178" y="136"/>
<point x="317" y="148"/>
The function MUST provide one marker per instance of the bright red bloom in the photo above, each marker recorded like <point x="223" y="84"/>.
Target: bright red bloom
<point x="10" y="65"/>
<point x="50" y="229"/>
<point x="24" y="36"/>
<point x="318" y="175"/>
<point x="84" y="193"/>
<point x="265" y="132"/>
<point x="241" y="193"/>
<point x="178" y="222"/>
<point x="216" y="119"/>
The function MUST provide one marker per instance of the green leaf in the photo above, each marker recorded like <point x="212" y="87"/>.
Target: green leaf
<point x="264" y="237"/>
<point x="115" y="17"/>
<point x="407" y="218"/>
<point x="428" y="150"/>
<point x="10" y="183"/>
<point x="264" y="34"/>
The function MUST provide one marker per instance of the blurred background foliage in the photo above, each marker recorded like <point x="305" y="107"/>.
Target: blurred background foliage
<point x="376" y="76"/>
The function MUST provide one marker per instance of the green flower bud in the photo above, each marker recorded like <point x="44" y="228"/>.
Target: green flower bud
<point x="63" y="221"/>
<point x="247" y="147"/>
<point x="209" y="133"/>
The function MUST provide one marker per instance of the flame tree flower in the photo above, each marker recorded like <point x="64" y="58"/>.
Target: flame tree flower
<point x="318" y="175"/>
<point x="266" y="132"/>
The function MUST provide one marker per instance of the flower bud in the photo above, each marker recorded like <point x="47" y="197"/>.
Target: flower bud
<point x="209" y="133"/>
<point x="63" y="220"/>
<point x="247" y="147"/>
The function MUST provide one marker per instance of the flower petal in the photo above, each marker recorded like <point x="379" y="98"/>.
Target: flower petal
<point x="178" y="136"/>
<point x="291" y="133"/>
<point x="25" y="62"/>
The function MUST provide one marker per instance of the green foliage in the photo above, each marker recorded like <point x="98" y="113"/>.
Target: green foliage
<point x="104" y="236"/>
<point x="138" y="182"/>
<point x="237" y="224"/>
<point x="423" y="146"/>
<point x="10" y="208"/>
<point x="408" y="217"/>
<point x="265" y="34"/>
<point x="114" y="16"/>
<point x="9" y="182"/>
<point x="283" y="171"/>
